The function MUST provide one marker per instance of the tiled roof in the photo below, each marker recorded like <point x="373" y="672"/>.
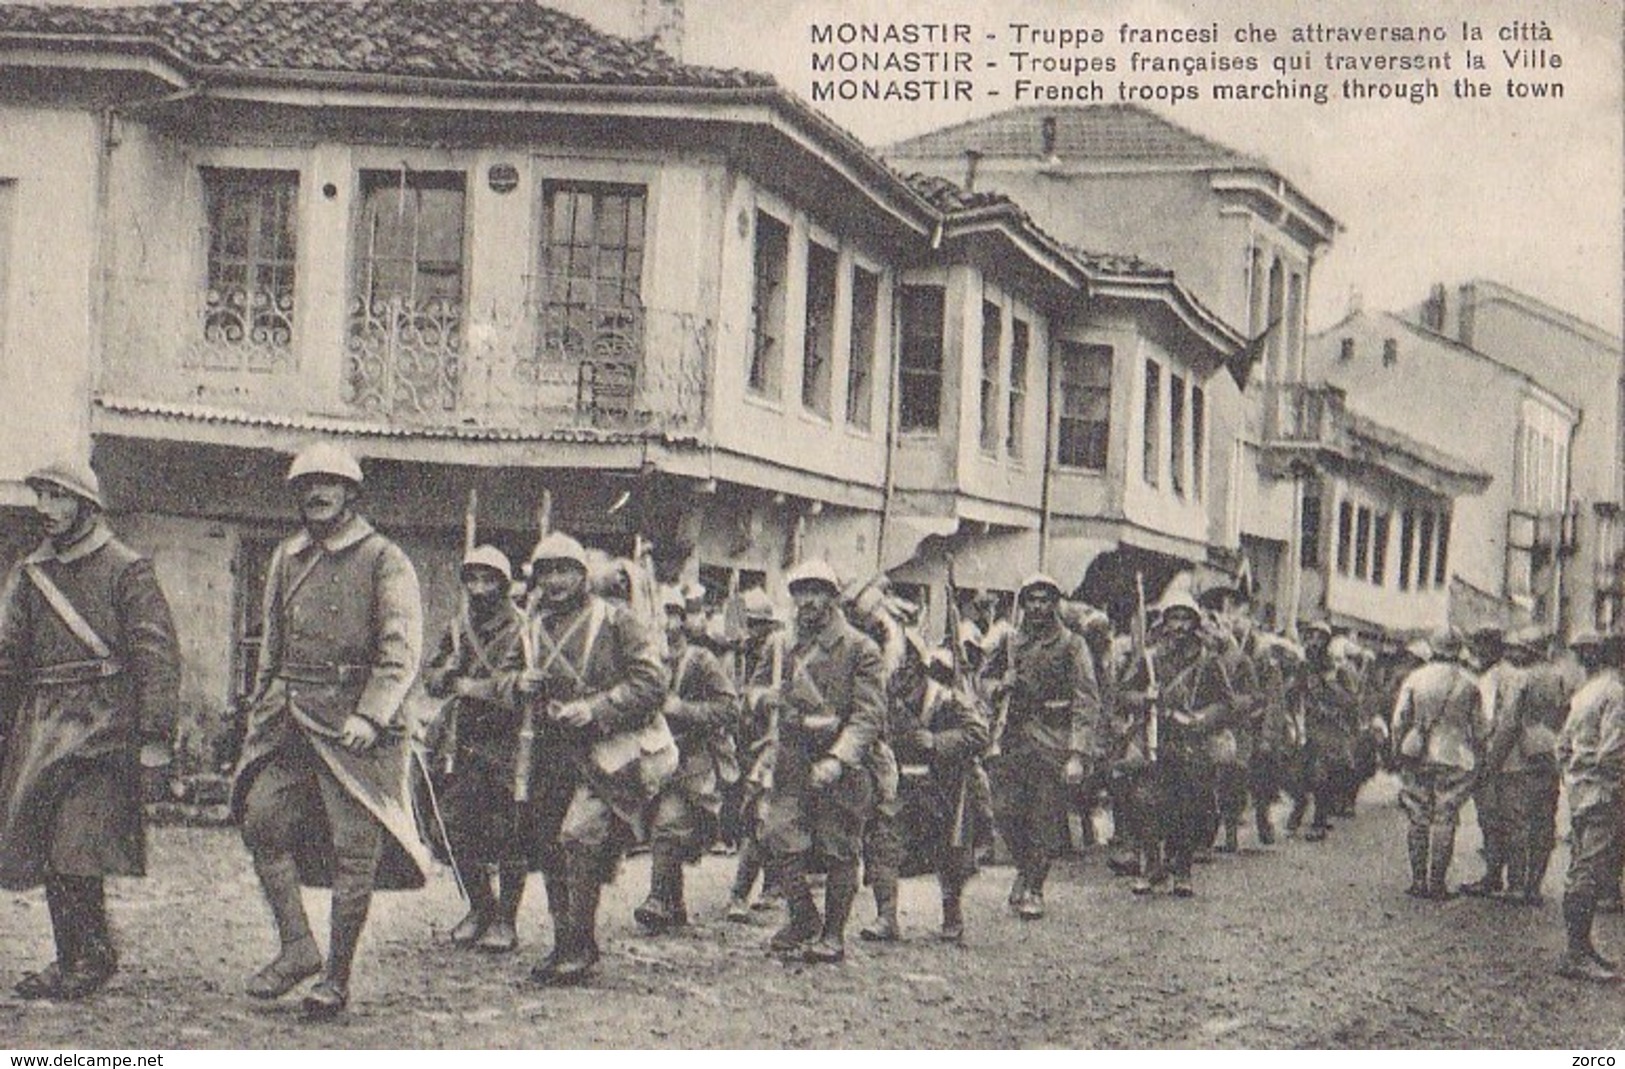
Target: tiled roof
<point x="945" y="196"/>
<point x="1107" y="133"/>
<point x="1121" y="264"/>
<point x="514" y="41"/>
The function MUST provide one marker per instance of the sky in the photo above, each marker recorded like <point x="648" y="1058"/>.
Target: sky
<point x="1529" y="193"/>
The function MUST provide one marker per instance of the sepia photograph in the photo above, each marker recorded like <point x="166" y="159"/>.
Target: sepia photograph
<point x="612" y="525"/>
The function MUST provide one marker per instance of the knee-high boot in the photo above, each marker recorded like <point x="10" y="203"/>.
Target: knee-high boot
<point x="502" y="934"/>
<point x="663" y="908"/>
<point x="331" y="994"/>
<point x="476" y="881"/>
<point x="93" y="960"/>
<point x="557" y="885"/>
<point x="840" y="890"/>
<point x="1580" y="960"/>
<point x="585" y="869"/>
<point x="804" y="923"/>
<point x="298" y="958"/>
<point x="1416" y="848"/>
<point x="953" y="914"/>
<point x="883" y="882"/>
<point x="1441" y="848"/>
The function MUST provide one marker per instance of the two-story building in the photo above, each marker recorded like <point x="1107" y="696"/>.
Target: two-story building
<point x="1503" y="546"/>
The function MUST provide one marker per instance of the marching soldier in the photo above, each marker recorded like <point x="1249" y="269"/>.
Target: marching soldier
<point x="321" y="789"/>
<point x="1327" y="693"/>
<point x="1519" y="762"/>
<point x="1435" y="730"/>
<point x="1051" y="724"/>
<point x="1547" y="694"/>
<point x="1591" y="750"/>
<point x="89" y="675"/>
<point x="701" y="708"/>
<point x="763" y="658"/>
<point x="484" y="826"/>
<point x="1231" y="748"/>
<point x="831" y="705"/>
<point x="1501" y="682"/>
<point x="1180" y="684"/>
<point x="944" y="744"/>
<point x="590" y="685"/>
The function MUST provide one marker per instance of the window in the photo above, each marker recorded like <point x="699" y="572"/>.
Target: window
<point x="1345" y="537"/>
<point x="1441" y="558"/>
<point x="767" y="306"/>
<point x="1424" y="550"/>
<point x="1016" y="430"/>
<point x="1379" y="548"/>
<point x="252" y="262"/>
<point x="1309" y="525"/>
<point x="592" y="306"/>
<point x="1198" y="433"/>
<point x="1362" y="543"/>
<point x="818" y="344"/>
<point x="1176" y="433"/>
<point x="1084" y="425"/>
<point x="992" y="339"/>
<point x="860" y="369"/>
<point x="1407" y="546"/>
<point x="406" y="319"/>
<point x="1151" y="440"/>
<point x="920" y="372"/>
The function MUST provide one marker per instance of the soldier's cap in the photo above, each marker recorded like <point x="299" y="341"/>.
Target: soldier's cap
<point x="325" y="458"/>
<point x="559" y="547"/>
<point x="940" y="665"/>
<point x="1179" y="602"/>
<point x="1590" y="639"/>
<point x="489" y="557"/>
<point x="1445" y="643"/>
<point x="1323" y="627"/>
<point x="816" y="572"/>
<point x="674" y="600"/>
<point x="76" y="478"/>
<point x="1420" y="649"/>
<point x="1531" y="639"/>
<point x="758" y="606"/>
<point x="1040" y="581"/>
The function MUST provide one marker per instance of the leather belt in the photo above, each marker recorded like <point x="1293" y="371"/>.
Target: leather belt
<point x="76" y="672"/>
<point x="325" y="675"/>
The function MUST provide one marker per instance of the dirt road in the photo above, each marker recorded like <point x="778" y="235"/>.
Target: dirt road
<point x="1299" y="945"/>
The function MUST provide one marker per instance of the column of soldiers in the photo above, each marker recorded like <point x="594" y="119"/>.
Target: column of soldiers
<point x="577" y="722"/>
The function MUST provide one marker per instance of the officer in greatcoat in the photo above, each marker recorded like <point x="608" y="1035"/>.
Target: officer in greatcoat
<point x="1501" y="682"/>
<point x="1591" y="752"/>
<point x="89" y="675"/>
<point x="1435" y="732"/>
<point x="701" y="706"/>
<point x="590" y="683"/>
<point x="831" y="703"/>
<point x="479" y="733"/>
<point x="321" y="789"/>
<point x="1049" y="739"/>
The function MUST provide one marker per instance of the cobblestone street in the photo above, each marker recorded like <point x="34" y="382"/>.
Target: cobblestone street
<point x="1299" y="945"/>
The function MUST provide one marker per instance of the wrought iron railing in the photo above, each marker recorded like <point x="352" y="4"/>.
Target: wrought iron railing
<point x="249" y="330"/>
<point x="403" y="357"/>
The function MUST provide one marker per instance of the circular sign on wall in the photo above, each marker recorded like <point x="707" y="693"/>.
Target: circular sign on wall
<point x="502" y="178"/>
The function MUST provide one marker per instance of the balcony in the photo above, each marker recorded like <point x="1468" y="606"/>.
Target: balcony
<point x="433" y="364"/>
<point x="1305" y="414"/>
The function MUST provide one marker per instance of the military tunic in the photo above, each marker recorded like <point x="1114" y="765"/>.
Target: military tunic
<point x="701" y="709"/>
<point x="1591" y="750"/>
<point x="72" y="721"/>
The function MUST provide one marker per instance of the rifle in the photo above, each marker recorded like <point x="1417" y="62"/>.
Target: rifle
<point x="526" y="749"/>
<point x="470" y="525"/>
<point x="1001" y="715"/>
<point x="1152" y="713"/>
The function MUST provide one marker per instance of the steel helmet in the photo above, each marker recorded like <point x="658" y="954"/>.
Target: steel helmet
<point x="489" y="557"/>
<point x="673" y="599"/>
<point x="1446" y="643"/>
<point x="1531" y="639"/>
<point x="1179" y="601"/>
<point x="813" y="571"/>
<point x="758" y="606"/>
<point x="1038" y="579"/>
<point x="76" y="478"/>
<point x="325" y="458"/>
<point x="558" y="546"/>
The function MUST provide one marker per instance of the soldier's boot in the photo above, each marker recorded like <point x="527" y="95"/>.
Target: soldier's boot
<point x="558" y="908"/>
<point x="1018" y="888"/>
<point x="1232" y="835"/>
<point x="1263" y="825"/>
<point x="746" y="870"/>
<point x="299" y="958"/>
<point x="1489" y="884"/>
<point x="95" y="961"/>
<point x="1153" y="873"/>
<point x="1441" y="848"/>
<point x="840" y="891"/>
<point x="659" y="910"/>
<point x="585" y="869"/>
<point x="47" y="982"/>
<point x="953" y="913"/>
<point x="330" y="995"/>
<point x="804" y="922"/>
<point x="1580" y="960"/>
<point x="885" y="928"/>
<point x="1534" y="878"/>
<point x="482" y="906"/>
<point x="1031" y="906"/>
<point x="1294" y="819"/>
<point x="1416" y="847"/>
<point x="502" y="936"/>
